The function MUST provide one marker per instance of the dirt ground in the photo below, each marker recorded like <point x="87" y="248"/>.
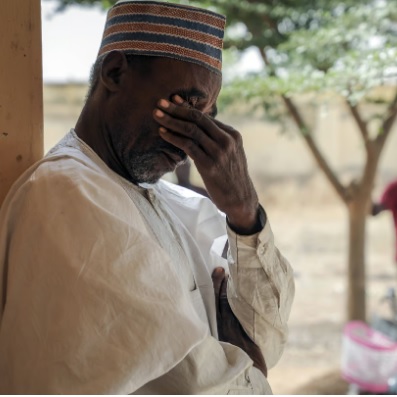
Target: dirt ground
<point x="311" y="232"/>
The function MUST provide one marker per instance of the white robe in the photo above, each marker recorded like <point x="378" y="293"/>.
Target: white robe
<point x="105" y="287"/>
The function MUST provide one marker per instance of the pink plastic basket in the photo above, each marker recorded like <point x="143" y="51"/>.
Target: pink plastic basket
<point x="369" y="358"/>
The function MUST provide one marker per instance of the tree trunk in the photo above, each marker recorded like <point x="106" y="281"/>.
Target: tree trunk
<point x="356" y="196"/>
<point x="356" y="303"/>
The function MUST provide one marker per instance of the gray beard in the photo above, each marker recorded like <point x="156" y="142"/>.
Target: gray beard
<point x="140" y="166"/>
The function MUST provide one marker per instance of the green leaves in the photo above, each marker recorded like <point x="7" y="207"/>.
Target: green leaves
<point x="63" y="4"/>
<point x="347" y="47"/>
<point x="343" y="47"/>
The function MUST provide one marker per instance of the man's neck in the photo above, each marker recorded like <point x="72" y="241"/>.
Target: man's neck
<point x="91" y="128"/>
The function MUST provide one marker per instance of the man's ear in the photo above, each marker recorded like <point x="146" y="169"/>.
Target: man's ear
<point x="113" y="67"/>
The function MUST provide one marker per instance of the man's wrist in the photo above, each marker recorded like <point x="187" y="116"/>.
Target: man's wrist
<point x="258" y="226"/>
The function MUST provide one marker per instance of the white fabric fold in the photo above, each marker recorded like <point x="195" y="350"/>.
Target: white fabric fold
<point x="105" y="286"/>
<point x="97" y="310"/>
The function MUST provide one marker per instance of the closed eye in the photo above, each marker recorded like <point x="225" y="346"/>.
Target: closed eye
<point x="198" y="100"/>
<point x="199" y="103"/>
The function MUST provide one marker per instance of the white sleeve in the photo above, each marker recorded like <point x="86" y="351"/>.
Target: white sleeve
<point x="212" y="367"/>
<point x="260" y="290"/>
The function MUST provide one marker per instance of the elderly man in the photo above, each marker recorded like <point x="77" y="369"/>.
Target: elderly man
<point x="105" y="269"/>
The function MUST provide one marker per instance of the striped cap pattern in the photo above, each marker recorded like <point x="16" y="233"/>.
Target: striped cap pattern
<point x="167" y="30"/>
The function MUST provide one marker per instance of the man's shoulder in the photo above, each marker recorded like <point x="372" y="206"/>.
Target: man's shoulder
<point x="70" y="158"/>
<point x="64" y="166"/>
<point x="58" y="173"/>
<point x="61" y="175"/>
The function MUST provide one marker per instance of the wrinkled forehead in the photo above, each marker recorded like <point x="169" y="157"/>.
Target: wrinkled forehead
<point x="161" y="29"/>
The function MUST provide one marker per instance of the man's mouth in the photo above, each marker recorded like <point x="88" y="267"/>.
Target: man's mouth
<point x="174" y="157"/>
<point x="175" y="154"/>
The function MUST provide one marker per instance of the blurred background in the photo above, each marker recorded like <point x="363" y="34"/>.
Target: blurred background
<point x="311" y="85"/>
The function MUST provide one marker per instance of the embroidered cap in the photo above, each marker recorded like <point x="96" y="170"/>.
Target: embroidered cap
<point x="166" y="30"/>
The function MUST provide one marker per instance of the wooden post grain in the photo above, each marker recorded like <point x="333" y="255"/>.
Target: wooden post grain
<point x="21" y="89"/>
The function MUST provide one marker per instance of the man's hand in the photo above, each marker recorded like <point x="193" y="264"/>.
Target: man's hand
<point x="376" y="208"/>
<point x="218" y="153"/>
<point x="229" y="328"/>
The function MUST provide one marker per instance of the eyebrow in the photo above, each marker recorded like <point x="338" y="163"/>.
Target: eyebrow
<point x="196" y="93"/>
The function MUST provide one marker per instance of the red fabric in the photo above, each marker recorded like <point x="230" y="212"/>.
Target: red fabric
<point x="389" y="201"/>
<point x="389" y="197"/>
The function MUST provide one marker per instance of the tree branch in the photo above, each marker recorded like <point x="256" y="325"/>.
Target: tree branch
<point x="362" y="125"/>
<point x="341" y="191"/>
<point x="388" y="122"/>
<point x="268" y="21"/>
<point x="375" y="148"/>
<point x="320" y="159"/>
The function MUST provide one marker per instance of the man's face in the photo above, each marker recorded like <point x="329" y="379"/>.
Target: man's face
<point x="133" y="131"/>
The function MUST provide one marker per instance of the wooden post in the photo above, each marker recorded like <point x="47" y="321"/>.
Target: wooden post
<point x="21" y="89"/>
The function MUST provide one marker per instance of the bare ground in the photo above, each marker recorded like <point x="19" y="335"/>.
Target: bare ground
<point x="310" y="230"/>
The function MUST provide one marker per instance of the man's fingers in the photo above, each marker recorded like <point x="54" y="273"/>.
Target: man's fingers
<point x="186" y="129"/>
<point x="220" y="286"/>
<point x="230" y="130"/>
<point x="219" y="281"/>
<point x="190" y="147"/>
<point x="194" y="116"/>
<point x="229" y="327"/>
<point x="179" y="101"/>
<point x="223" y="289"/>
<point x="217" y="277"/>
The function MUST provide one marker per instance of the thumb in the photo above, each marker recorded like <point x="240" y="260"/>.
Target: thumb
<point x="217" y="277"/>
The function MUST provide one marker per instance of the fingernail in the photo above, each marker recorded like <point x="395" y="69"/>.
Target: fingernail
<point x="159" y="113"/>
<point x="162" y="130"/>
<point x="164" y="103"/>
<point x="178" y="99"/>
<point x="219" y="270"/>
